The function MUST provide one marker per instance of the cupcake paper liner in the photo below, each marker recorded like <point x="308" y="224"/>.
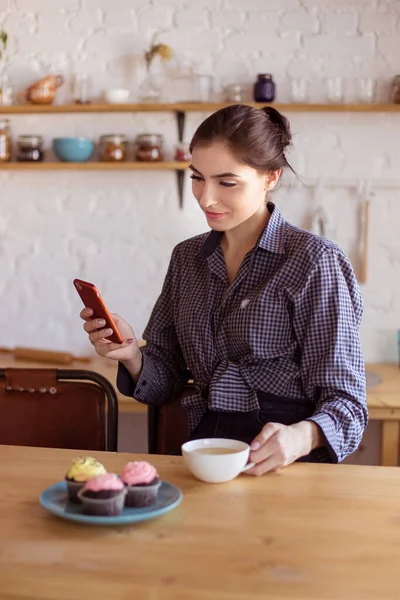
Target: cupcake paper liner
<point x="106" y="507"/>
<point x="141" y="496"/>
<point x="73" y="488"/>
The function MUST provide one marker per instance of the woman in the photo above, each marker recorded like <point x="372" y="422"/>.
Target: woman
<point x="263" y="314"/>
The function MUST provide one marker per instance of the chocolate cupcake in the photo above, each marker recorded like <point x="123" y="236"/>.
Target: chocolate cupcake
<point x="142" y="483"/>
<point x="103" y="495"/>
<point x="81" y="469"/>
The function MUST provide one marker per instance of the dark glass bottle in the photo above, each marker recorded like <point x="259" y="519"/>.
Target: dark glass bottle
<point x="264" y="88"/>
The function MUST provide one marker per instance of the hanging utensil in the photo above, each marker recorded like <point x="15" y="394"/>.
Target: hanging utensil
<point x="363" y="190"/>
<point x="319" y="219"/>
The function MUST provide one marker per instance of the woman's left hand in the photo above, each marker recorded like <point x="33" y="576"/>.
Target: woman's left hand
<point x="280" y="445"/>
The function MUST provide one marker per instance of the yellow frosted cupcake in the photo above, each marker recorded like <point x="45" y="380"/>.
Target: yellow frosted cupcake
<point x="81" y="470"/>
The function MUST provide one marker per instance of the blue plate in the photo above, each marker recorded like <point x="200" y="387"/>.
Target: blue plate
<point x="55" y="500"/>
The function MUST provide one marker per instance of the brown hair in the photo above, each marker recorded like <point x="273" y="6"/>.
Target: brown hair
<point x="257" y="137"/>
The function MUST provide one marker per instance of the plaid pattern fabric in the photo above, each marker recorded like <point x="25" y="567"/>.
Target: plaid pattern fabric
<point x="287" y="325"/>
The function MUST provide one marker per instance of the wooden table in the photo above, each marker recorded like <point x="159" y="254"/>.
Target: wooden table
<point x="383" y="399"/>
<point x="311" y="532"/>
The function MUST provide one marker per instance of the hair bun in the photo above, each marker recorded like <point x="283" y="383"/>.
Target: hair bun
<point x="281" y="122"/>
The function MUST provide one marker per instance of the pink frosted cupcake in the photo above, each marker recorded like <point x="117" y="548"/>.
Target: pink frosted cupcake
<point x="103" y="495"/>
<point x="142" y="483"/>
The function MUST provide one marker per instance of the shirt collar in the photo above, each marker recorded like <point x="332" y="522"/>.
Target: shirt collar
<point x="272" y="237"/>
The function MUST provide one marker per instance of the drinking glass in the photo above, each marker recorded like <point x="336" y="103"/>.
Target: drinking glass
<point x="366" y="90"/>
<point x="299" y="90"/>
<point x="334" y="90"/>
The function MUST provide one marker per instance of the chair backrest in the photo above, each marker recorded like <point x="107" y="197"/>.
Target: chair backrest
<point x="58" y="408"/>
<point x="168" y="424"/>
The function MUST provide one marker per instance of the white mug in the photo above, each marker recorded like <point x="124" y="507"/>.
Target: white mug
<point x="216" y="460"/>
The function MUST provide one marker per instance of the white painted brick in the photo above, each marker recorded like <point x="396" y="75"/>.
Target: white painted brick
<point x="181" y="3"/>
<point x="115" y="4"/>
<point x="227" y="18"/>
<point x="389" y="6"/>
<point x="39" y="43"/>
<point x="195" y="17"/>
<point x="263" y="42"/>
<point x="374" y="22"/>
<point x="154" y="18"/>
<point x="174" y="3"/>
<point x="56" y="22"/>
<point x="109" y="45"/>
<point x="217" y="4"/>
<point x="299" y="20"/>
<point x="184" y="40"/>
<point x="44" y="5"/>
<point x="17" y="25"/>
<point x="389" y="45"/>
<point x="267" y="21"/>
<point x="122" y="20"/>
<point x="353" y="5"/>
<point x="5" y="4"/>
<point x="341" y="23"/>
<point x="344" y="46"/>
<point x="84" y="21"/>
<point x="263" y="5"/>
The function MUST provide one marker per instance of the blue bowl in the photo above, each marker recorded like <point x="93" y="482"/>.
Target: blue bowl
<point x="69" y="149"/>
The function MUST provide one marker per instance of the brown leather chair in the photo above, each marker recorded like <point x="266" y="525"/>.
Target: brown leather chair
<point x="168" y="424"/>
<point x="58" y="408"/>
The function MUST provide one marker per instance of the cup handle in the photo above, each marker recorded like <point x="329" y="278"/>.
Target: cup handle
<point x="59" y="80"/>
<point x="23" y="97"/>
<point x="248" y="466"/>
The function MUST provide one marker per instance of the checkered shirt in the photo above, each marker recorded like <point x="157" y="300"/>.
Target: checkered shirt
<point x="287" y="325"/>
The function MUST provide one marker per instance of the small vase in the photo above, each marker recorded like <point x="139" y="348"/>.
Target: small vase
<point x="149" y="89"/>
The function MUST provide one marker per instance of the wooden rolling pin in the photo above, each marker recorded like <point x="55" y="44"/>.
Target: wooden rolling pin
<point x="45" y="356"/>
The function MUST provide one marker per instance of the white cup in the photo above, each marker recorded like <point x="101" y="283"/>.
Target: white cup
<point x="228" y="463"/>
<point x="116" y="95"/>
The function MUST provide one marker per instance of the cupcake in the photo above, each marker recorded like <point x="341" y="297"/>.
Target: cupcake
<point x="81" y="469"/>
<point x="142" y="482"/>
<point x="104" y="495"/>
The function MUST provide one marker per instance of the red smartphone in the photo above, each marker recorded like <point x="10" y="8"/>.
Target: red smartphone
<point x="91" y="298"/>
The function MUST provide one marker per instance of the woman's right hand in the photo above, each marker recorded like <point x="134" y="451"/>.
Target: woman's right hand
<point x="98" y="335"/>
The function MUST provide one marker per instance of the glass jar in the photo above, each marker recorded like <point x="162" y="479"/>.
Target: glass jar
<point x="396" y="90"/>
<point x="234" y="92"/>
<point x="29" y="148"/>
<point x="5" y="140"/>
<point x="264" y="88"/>
<point x="149" y="147"/>
<point x="182" y="152"/>
<point x="113" y="148"/>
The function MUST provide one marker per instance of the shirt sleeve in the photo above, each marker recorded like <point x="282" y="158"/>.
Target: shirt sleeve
<point x="164" y="370"/>
<point x="327" y="315"/>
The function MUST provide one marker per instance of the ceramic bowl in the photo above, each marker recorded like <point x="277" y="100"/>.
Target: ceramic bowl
<point x="116" y="95"/>
<point x="71" y="149"/>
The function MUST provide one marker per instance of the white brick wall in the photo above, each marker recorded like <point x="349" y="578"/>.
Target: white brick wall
<point x="118" y="229"/>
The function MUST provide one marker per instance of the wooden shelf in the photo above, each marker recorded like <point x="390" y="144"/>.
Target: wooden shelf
<point x="94" y="166"/>
<point x="188" y="107"/>
<point x="179" y="109"/>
